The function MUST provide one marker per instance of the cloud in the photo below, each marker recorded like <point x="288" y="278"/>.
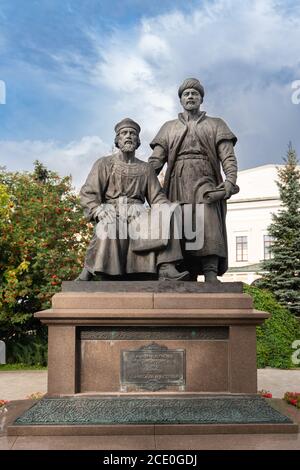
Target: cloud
<point x="75" y="158"/>
<point x="246" y="53"/>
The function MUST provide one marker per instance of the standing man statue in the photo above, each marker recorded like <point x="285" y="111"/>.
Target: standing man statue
<point x="195" y="147"/>
<point x="112" y="180"/>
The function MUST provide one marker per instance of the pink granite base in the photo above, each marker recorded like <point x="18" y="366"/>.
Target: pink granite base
<point x="136" y="429"/>
<point x="212" y="365"/>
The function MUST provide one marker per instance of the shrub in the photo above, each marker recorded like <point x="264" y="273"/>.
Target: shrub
<point x="276" y="335"/>
<point x="28" y="349"/>
<point x="43" y="242"/>
<point x="293" y="398"/>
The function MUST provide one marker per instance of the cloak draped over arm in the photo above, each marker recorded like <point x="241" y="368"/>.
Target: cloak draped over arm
<point x="92" y="192"/>
<point x="160" y="149"/>
<point x="225" y="141"/>
<point x="154" y="193"/>
<point x="228" y="159"/>
<point x="158" y="158"/>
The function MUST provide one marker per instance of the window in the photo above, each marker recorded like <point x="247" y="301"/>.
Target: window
<point x="242" y="248"/>
<point x="268" y="240"/>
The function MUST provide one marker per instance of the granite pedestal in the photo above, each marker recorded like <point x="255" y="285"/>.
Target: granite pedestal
<point x="188" y="342"/>
<point x="155" y="341"/>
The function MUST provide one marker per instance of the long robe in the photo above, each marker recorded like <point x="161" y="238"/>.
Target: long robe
<point x="194" y="152"/>
<point x="109" y="180"/>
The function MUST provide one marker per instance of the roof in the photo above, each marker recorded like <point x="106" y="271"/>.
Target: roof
<point x="258" y="168"/>
<point x="246" y="269"/>
<point x="257" y="182"/>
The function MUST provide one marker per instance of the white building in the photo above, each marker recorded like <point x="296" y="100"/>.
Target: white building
<point x="249" y="213"/>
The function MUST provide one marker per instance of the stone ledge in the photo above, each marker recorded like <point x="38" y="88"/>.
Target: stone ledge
<point x="186" y="317"/>
<point x="92" y="300"/>
<point x="143" y="300"/>
<point x="151" y="286"/>
<point x="138" y="430"/>
<point x="203" y="301"/>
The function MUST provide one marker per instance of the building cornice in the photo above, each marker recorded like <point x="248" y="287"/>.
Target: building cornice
<point x="254" y="199"/>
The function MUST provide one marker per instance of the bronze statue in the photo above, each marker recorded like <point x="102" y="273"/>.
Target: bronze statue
<point x="123" y="177"/>
<point x="195" y="147"/>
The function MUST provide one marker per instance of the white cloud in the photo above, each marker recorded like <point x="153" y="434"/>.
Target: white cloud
<point x="245" y="51"/>
<point x="75" y="158"/>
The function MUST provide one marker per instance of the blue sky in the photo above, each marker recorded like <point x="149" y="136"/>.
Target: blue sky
<point x="72" y="69"/>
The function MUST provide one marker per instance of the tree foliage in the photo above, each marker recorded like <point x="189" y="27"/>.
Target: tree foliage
<point x="43" y="241"/>
<point x="283" y="269"/>
<point x="276" y="335"/>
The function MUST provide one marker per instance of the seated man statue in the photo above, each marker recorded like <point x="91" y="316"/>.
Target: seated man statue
<point x="113" y="179"/>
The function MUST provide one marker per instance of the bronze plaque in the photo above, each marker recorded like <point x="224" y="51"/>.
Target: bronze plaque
<point x="153" y="367"/>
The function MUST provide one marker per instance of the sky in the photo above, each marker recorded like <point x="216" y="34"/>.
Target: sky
<point x="73" y="69"/>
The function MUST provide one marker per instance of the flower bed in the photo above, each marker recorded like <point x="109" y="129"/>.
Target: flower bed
<point x="3" y="403"/>
<point x="265" y="393"/>
<point x="35" y="396"/>
<point x="293" y="398"/>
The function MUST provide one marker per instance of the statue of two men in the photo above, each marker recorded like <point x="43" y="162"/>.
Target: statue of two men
<point x="196" y="148"/>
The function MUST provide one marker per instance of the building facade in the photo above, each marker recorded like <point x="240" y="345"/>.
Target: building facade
<point x="249" y="213"/>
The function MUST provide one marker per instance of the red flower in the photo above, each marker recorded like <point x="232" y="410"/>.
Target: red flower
<point x="267" y="395"/>
<point x="3" y="402"/>
<point x="293" y="398"/>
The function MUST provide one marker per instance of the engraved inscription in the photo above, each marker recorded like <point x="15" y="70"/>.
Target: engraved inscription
<point x="153" y="367"/>
<point x="153" y="333"/>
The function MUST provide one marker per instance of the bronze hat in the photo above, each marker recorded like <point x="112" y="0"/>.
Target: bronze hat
<point x="127" y="122"/>
<point x="191" y="83"/>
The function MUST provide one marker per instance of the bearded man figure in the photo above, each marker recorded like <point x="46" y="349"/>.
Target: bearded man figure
<point x="195" y="147"/>
<point x="112" y="180"/>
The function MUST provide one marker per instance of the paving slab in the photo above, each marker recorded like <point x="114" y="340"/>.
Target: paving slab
<point x="84" y="442"/>
<point x="6" y="442"/>
<point x="17" y="385"/>
<point x="229" y="442"/>
<point x="278" y="381"/>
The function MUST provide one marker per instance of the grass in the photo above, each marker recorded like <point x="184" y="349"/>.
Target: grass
<point x="6" y="367"/>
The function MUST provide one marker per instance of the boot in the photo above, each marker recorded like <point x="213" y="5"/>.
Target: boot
<point x="210" y="268"/>
<point x="85" y="275"/>
<point x="168" y="272"/>
<point x="211" y="276"/>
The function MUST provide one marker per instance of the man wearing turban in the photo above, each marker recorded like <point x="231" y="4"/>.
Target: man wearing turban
<point x="113" y="195"/>
<point x="196" y="147"/>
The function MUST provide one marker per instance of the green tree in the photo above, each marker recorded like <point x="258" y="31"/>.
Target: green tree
<point x="276" y="335"/>
<point x="283" y="269"/>
<point x="4" y="206"/>
<point x="43" y="241"/>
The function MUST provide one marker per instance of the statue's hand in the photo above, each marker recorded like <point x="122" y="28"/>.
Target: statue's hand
<point x="228" y="188"/>
<point x="134" y="211"/>
<point x="105" y="214"/>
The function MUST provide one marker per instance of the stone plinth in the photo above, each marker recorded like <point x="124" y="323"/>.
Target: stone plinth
<point x="151" y="358"/>
<point x="164" y="338"/>
<point x="109" y="415"/>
